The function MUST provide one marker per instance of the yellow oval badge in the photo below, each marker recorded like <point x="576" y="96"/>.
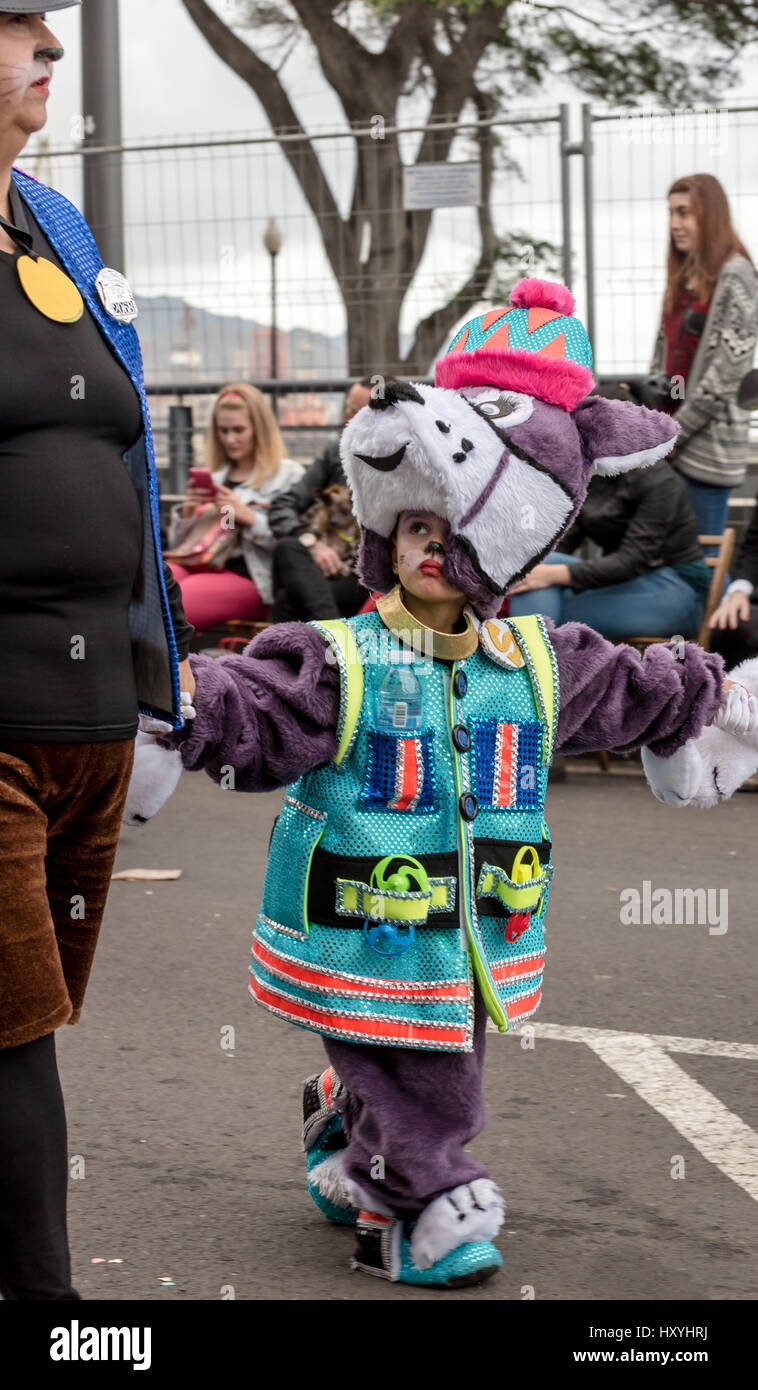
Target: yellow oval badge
<point x="496" y="637"/>
<point x="50" y="290"/>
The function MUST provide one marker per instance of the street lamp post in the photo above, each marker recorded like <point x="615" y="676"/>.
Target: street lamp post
<point x="272" y="240"/>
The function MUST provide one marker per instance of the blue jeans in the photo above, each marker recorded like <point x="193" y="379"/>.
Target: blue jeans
<point x="656" y="604"/>
<point x="711" y="507"/>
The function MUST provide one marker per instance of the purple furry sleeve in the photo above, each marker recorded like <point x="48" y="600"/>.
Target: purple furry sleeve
<point x="613" y="698"/>
<point x="269" y="713"/>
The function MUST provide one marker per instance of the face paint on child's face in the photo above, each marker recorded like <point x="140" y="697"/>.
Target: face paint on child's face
<point x="421" y="542"/>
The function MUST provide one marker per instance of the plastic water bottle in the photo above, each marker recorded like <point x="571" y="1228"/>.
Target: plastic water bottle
<point x="399" y="702"/>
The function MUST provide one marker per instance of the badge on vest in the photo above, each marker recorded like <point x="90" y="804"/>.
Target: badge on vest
<point x="116" y="296"/>
<point x="497" y="639"/>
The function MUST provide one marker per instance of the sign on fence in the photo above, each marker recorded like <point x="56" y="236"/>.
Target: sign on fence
<point x="441" y="185"/>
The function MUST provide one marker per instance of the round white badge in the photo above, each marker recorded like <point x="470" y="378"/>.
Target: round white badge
<point x="116" y="296"/>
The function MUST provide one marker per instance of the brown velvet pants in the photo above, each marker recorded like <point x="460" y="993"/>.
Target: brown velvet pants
<point x="60" y="815"/>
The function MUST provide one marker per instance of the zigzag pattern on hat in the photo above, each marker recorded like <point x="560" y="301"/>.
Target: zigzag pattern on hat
<point x="536" y="329"/>
<point x="535" y="345"/>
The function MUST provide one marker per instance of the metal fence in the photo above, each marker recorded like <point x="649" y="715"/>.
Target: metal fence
<point x="636" y="158"/>
<point x="577" y="191"/>
<point x="196" y="214"/>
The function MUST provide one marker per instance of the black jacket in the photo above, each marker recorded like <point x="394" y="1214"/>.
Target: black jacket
<point x="183" y="631"/>
<point x="642" y="520"/>
<point x="746" y="564"/>
<point x="286" y="509"/>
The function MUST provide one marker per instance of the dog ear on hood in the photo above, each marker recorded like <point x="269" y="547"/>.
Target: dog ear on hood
<point x="618" y="436"/>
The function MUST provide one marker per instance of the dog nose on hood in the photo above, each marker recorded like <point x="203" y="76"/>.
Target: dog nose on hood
<point x="394" y="393"/>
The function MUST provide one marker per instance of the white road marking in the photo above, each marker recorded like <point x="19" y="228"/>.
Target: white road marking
<point x="719" y="1135"/>
<point x="706" y="1047"/>
<point x="642" y="1060"/>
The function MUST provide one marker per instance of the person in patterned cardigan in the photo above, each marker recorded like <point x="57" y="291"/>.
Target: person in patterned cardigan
<point x="705" y="344"/>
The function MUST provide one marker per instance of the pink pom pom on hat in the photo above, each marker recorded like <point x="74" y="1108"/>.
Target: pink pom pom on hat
<point x="535" y="346"/>
<point x="542" y="294"/>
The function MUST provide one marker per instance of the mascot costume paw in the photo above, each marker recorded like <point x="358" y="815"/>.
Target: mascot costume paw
<point x="156" y="769"/>
<point x="710" y="768"/>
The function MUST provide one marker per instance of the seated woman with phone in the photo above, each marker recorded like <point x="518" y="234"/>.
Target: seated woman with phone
<point x="219" y="542"/>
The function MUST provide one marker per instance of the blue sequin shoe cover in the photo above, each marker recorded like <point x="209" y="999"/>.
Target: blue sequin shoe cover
<point x="324" y="1142"/>
<point x="384" y="1249"/>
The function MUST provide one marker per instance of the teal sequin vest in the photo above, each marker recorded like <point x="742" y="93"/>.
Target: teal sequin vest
<point x="417" y="863"/>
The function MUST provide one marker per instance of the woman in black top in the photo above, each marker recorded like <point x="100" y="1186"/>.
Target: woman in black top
<point x="87" y="640"/>
<point x="70" y="562"/>
<point x="651" y="579"/>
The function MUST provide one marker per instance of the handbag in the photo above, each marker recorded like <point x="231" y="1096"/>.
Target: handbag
<point x="207" y="544"/>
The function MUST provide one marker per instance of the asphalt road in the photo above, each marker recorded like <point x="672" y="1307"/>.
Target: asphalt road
<point x="193" y="1172"/>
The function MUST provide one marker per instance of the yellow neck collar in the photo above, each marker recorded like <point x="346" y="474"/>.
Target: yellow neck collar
<point x="446" y="646"/>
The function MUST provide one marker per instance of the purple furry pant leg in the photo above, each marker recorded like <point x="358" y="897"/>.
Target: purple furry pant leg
<point x="415" y="1111"/>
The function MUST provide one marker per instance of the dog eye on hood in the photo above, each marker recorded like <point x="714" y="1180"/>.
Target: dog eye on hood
<point x="496" y="405"/>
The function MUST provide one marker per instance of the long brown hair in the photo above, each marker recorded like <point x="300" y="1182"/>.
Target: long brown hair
<point x="269" y="445"/>
<point x="716" y="240"/>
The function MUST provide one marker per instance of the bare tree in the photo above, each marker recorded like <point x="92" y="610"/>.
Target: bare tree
<point x="465" y="58"/>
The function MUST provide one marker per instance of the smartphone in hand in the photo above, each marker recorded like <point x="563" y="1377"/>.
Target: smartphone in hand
<point x="203" y="480"/>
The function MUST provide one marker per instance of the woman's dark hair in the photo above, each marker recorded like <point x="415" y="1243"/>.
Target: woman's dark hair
<point x="717" y="240"/>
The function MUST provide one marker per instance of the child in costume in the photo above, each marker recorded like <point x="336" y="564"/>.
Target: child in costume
<point x="410" y="866"/>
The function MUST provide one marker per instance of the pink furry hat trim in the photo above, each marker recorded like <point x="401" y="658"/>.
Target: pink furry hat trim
<point x="556" y="381"/>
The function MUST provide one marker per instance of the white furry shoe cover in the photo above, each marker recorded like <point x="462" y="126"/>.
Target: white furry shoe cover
<point x="332" y="1181"/>
<point x="329" y="1178"/>
<point x="471" y="1212"/>
<point x="337" y="1195"/>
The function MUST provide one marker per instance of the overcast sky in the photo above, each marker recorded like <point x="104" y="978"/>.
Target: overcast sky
<point x="195" y="222"/>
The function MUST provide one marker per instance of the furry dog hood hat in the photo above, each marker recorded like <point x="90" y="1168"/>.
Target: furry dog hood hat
<point x="503" y="446"/>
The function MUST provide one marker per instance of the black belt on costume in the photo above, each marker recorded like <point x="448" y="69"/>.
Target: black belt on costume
<point x="328" y="869"/>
